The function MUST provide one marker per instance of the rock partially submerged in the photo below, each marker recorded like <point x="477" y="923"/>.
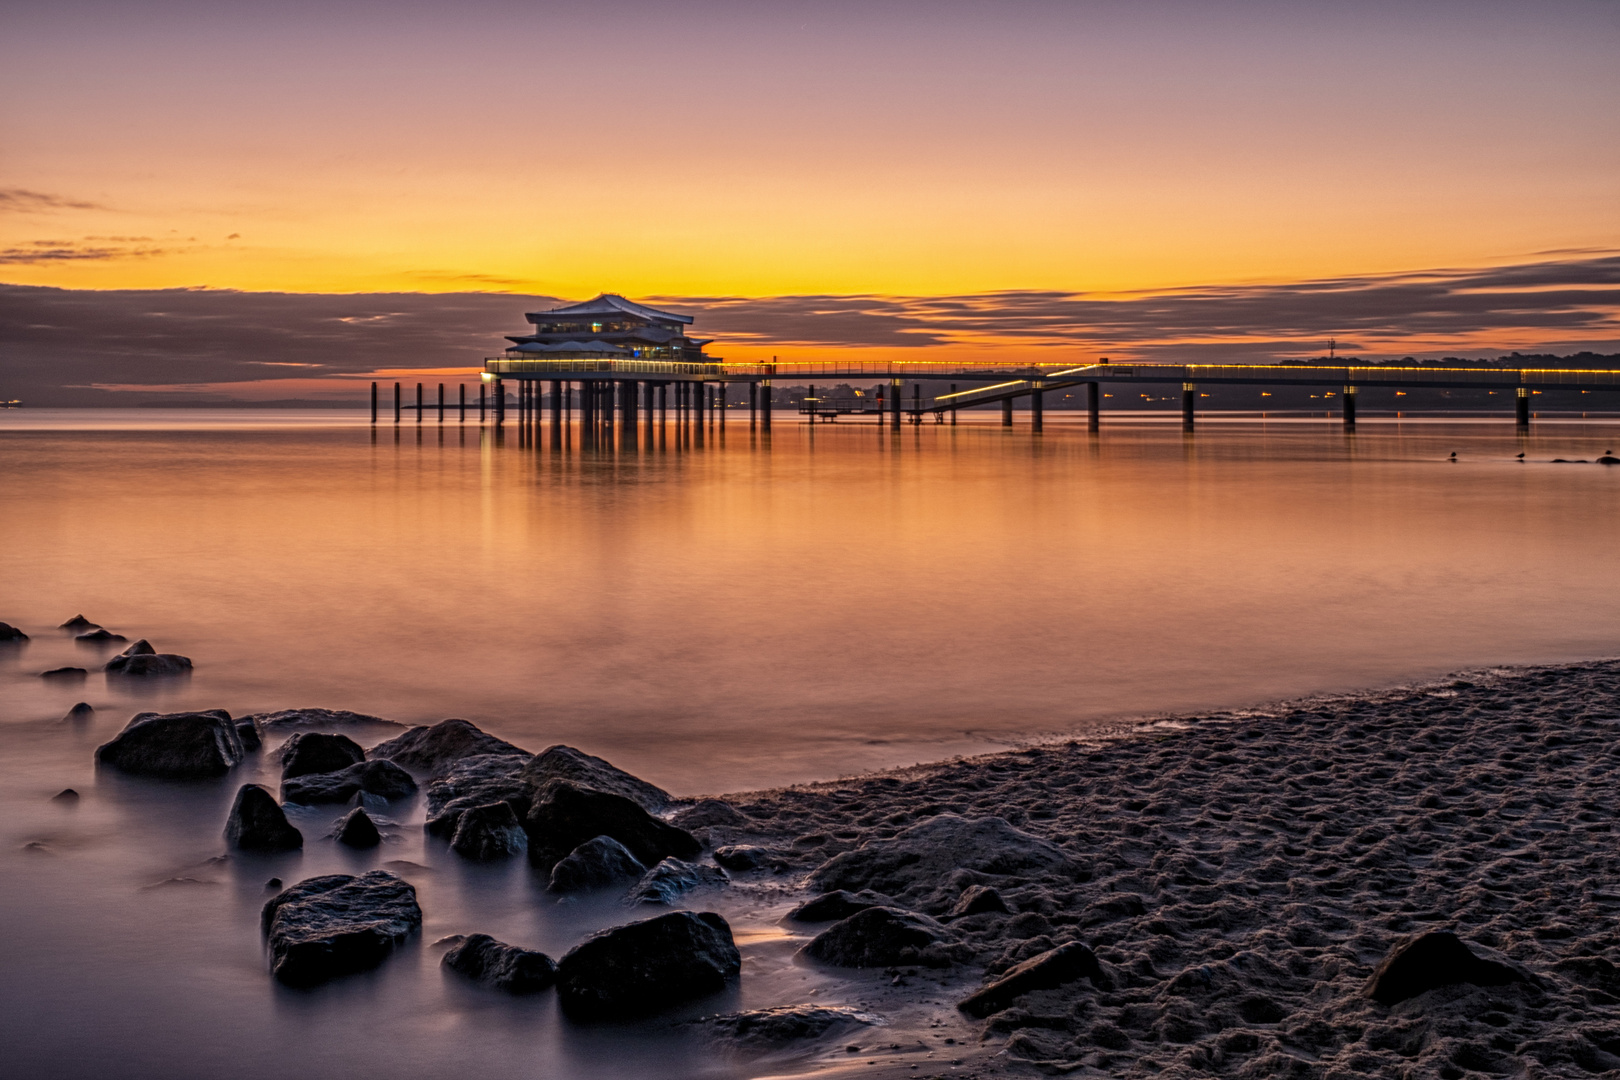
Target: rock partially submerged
<point x="356" y="829"/>
<point x="257" y="822"/>
<point x="566" y="815"/>
<point x="430" y="751"/>
<point x="918" y="860"/>
<point x="836" y="905"/>
<point x="140" y="660"/>
<point x="487" y="833"/>
<point x="65" y="673"/>
<point x="476" y="781"/>
<point x="318" y="752"/>
<point x="338" y="924"/>
<point x="381" y="778"/>
<point x="272" y="723"/>
<point x="1051" y="969"/>
<point x="98" y="636"/>
<point x="249" y="735"/>
<point x="564" y="763"/>
<point x="599" y="863"/>
<point x="183" y="746"/>
<point x="672" y="879"/>
<point x="11" y="633"/>
<point x="500" y="966"/>
<point x="881" y="937"/>
<point x="1429" y="961"/>
<point x="775" y="1029"/>
<point x="82" y="711"/>
<point x="80" y="623"/>
<point x="649" y="965"/>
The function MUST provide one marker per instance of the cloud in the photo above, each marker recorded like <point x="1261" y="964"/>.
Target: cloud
<point x="20" y="200"/>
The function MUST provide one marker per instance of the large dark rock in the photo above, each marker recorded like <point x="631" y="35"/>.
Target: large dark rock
<point x="558" y="763"/>
<point x="272" y="723"/>
<point x="356" y="829"/>
<point x="249" y="735"/>
<point x="11" y="633"/>
<point x="98" y="636"/>
<point x="832" y="906"/>
<point x="500" y="966"/>
<point x="317" y="752"/>
<point x="1051" y="969"/>
<point x="672" y="879"/>
<point x="779" y="1028"/>
<point x="487" y="833"/>
<point x="140" y="660"/>
<point x="476" y="781"/>
<point x="79" y="623"/>
<point x="335" y="925"/>
<point x="429" y="751"/>
<point x="920" y="859"/>
<point x="1438" y="958"/>
<point x="599" y="863"/>
<point x="881" y="937"/>
<point x="187" y="745"/>
<point x="257" y="822"/>
<point x="380" y="778"/>
<point x="565" y="815"/>
<point x="648" y="965"/>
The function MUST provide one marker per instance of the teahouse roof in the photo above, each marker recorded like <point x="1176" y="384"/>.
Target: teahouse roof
<point x="607" y="304"/>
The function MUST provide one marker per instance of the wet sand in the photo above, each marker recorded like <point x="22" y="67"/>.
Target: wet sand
<point x="1241" y="874"/>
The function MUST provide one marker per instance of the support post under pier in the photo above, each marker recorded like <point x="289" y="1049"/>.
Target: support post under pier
<point x="1037" y="410"/>
<point x="1189" y="398"/>
<point x="1521" y="409"/>
<point x="1349" y="408"/>
<point x="1093" y="406"/>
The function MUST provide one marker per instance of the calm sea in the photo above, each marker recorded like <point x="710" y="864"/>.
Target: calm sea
<point x="741" y="612"/>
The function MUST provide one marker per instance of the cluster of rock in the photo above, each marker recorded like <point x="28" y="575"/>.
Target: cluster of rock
<point x="140" y="660"/>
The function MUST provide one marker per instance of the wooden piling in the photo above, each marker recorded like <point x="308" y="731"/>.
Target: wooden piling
<point x="441" y="403"/>
<point x="397" y="405"/>
<point x="373" y="403"/>
<point x="1189" y="399"/>
<point x="1093" y="406"/>
<point x="461" y="393"/>
<point x="1037" y="402"/>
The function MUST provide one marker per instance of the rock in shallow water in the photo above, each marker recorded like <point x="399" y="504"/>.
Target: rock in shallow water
<point x="82" y="711"/>
<point x="557" y="763"/>
<point x="487" y="833"/>
<point x="317" y="752"/>
<point x="1432" y="960"/>
<point x="179" y="746"/>
<point x="336" y="925"/>
<point x="99" y="636"/>
<point x="11" y="633"/>
<point x="79" y="622"/>
<point x="257" y="822"/>
<point x="249" y="734"/>
<point x="774" y="1029"/>
<point x="356" y="829"/>
<point x="65" y="673"/>
<point x="598" y="863"/>
<point x="431" y="750"/>
<point x="919" y="859"/>
<point x="649" y="965"/>
<point x="566" y="815"/>
<point x="501" y="966"/>
<point x="1051" y="969"/>
<point x="140" y="660"/>
<point x="380" y="778"/>
<point x="475" y="781"/>
<point x="672" y="879"/>
<point x="881" y="937"/>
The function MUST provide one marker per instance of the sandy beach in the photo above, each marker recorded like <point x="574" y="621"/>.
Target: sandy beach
<point x="1240" y="876"/>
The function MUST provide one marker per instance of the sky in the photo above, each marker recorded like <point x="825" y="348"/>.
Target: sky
<point x="764" y="160"/>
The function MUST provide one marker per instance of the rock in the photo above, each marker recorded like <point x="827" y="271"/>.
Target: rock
<point x="503" y="967"/>
<point x="273" y="883"/>
<point x="1438" y="958"/>
<point x="599" y="863"/>
<point x="648" y="965"/>
<point x="99" y="636"/>
<point x="672" y="878"/>
<point x="317" y="752"/>
<point x="141" y="660"/>
<point x="257" y="822"/>
<point x="249" y="735"/>
<point x="1053" y="968"/>
<point x="356" y="829"/>
<point x="881" y="937"/>
<point x="708" y="813"/>
<point x="557" y="763"/>
<point x="476" y="781"/>
<point x="429" y="751"/>
<point x="919" y="859"/>
<point x="775" y="1029"/>
<point x="977" y="900"/>
<point x="11" y="633"/>
<point x="316" y="720"/>
<point x="186" y="745"/>
<point x="487" y="833"/>
<point x="64" y="673"/>
<point x="565" y="815"/>
<point x="66" y="795"/>
<point x="380" y="778"/>
<point x="79" y="622"/>
<point x="743" y="856"/>
<point x="832" y="906"/>
<point x="82" y="711"/>
<point x="335" y="925"/>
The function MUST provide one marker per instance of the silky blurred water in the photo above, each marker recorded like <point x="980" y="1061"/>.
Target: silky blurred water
<point x="714" y="614"/>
